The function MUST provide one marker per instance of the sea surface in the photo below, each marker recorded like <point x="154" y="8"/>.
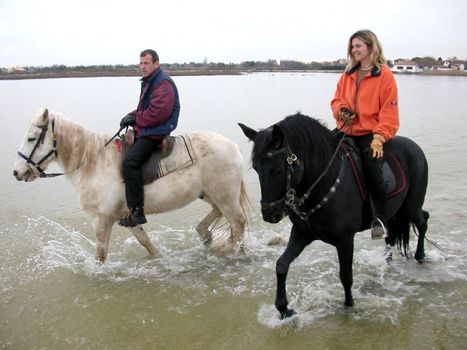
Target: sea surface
<point x="53" y="294"/>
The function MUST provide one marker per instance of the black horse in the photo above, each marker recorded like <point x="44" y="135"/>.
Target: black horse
<point x="307" y="172"/>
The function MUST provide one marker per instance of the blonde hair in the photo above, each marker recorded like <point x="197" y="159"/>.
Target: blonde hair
<point x="374" y="46"/>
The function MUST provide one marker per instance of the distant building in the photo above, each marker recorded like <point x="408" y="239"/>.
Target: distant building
<point x="16" y="69"/>
<point x="448" y="66"/>
<point x="403" y="66"/>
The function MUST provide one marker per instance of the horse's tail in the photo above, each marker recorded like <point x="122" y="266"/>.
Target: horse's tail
<point x="402" y="233"/>
<point x="245" y="203"/>
<point x="401" y="228"/>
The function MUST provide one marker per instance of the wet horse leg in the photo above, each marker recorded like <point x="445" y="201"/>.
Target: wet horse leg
<point x="295" y="246"/>
<point x="237" y="220"/>
<point x="142" y="237"/>
<point x="102" y="227"/>
<point x="203" y="227"/>
<point x="422" y="226"/>
<point x="345" y="254"/>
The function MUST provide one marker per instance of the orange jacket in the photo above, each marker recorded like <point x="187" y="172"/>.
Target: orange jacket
<point x="375" y="102"/>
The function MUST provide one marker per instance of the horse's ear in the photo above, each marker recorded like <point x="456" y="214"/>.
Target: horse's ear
<point x="44" y="115"/>
<point x="249" y="132"/>
<point x="277" y="137"/>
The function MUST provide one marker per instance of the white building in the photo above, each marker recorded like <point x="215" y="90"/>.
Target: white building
<point x="406" y="67"/>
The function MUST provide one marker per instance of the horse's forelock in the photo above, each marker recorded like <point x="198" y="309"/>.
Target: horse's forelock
<point x="308" y="138"/>
<point x="262" y="144"/>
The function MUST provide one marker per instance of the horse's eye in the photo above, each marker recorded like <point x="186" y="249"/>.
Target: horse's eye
<point x="31" y="139"/>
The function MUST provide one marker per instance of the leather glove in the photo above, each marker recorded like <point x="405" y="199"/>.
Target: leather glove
<point x="347" y="115"/>
<point x="377" y="146"/>
<point x="127" y="120"/>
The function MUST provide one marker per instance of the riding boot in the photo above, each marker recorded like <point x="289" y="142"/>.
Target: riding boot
<point x="133" y="217"/>
<point x="378" y="198"/>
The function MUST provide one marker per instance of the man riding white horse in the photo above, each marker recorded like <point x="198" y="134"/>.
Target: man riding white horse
<point x="155" y="117"/>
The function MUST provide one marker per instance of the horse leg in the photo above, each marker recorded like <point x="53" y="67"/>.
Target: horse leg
<point x="203" y="227"/>
<point x="422" y="226"/>
<point x="345" y="254"/>
<point x="142" y="237"/>
<point x="295" y="246"/>
<point x="237" y="228"/>
<point x="236" y="218"/>
<point x="102" y="227"/>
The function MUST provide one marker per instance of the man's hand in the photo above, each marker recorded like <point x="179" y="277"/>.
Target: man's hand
<point x="127" y="120"/>
<point x="347" y="115"/>
<point x="377" y="146"/>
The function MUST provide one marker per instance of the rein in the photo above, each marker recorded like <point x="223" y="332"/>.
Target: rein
<point x="36" y="166"/>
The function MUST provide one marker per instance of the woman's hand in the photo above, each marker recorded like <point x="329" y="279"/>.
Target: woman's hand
<point x="377" y="146"/>
<point x="347" y="115"/>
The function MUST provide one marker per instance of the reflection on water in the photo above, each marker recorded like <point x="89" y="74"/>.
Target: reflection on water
<point x="55" y="295"/>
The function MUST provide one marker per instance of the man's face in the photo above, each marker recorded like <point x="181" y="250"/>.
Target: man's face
<point x="147" y="66"/>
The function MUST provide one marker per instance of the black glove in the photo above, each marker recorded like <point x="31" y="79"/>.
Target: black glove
<point x="127" y="120"/>
<point x="347" y="115"/>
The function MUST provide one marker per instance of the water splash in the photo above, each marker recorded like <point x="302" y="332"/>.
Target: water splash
<point x="381" y="291"/>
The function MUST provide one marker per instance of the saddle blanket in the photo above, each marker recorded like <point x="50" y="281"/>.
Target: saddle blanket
<point x="181" y="156"/>
<point x="176" y="152"/>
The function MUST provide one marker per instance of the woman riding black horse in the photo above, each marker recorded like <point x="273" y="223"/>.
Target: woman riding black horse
<point x="305" y="173"/>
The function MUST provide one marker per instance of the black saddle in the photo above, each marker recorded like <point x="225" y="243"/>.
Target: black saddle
<point x="151" y="166"/>
<point x="395" y="179"/>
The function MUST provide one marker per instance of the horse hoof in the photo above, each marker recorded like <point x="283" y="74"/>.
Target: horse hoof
<point x="288" y="313"/>
<point x="420" y="258"/>
<point x="207" y="242"/>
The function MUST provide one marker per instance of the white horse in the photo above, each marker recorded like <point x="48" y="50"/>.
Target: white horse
<point x="95" y="170"/>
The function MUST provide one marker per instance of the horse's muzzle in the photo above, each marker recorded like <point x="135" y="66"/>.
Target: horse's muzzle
<point x="272" y="217"/>
<point x="26" y="176"/>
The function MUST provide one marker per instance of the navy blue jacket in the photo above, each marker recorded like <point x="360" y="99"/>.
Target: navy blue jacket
<point x="147" y="88"/>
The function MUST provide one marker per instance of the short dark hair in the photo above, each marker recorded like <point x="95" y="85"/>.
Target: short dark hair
<point x="154" y="55"/>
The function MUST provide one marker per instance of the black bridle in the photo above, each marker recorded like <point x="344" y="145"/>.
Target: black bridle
<point x="36" y="166"/>
<point x="290" y="199"/>
<point x="291" y="159"/>
<point x="53" y="152"/>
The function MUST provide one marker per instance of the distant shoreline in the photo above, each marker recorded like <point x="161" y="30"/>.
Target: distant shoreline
<point x="195" y="72"/>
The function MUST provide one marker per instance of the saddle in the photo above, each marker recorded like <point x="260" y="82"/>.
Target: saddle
<point x="175" y="152"/>
<point x="395" y="179"/>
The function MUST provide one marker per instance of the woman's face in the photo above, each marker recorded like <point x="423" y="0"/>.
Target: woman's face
<point x="360" y="52"/>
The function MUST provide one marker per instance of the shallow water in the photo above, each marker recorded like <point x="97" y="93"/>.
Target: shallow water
<point x="54" y="295"/>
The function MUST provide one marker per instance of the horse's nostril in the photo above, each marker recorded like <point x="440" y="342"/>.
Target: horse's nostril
<point x="15" y="173"/>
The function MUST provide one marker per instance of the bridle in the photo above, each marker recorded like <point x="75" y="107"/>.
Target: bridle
<point x="291" y="159"/>
<point x="290" y="199"/>
<point x="53" y="152"/>
<point x="36" y="166"/>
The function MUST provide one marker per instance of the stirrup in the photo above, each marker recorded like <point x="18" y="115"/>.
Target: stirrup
<point x="129" y="219"/>
<point x="378" y="230"/>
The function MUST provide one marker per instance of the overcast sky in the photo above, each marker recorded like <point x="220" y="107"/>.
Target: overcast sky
<point x="87" y="32"/>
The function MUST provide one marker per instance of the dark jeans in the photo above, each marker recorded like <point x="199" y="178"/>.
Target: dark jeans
<point x="132" y="170"/>
<point x="373" y="171"/>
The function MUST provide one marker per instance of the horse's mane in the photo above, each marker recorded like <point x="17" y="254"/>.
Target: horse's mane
<point x="307" y="137"/>
<point x="76" y="145"/>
